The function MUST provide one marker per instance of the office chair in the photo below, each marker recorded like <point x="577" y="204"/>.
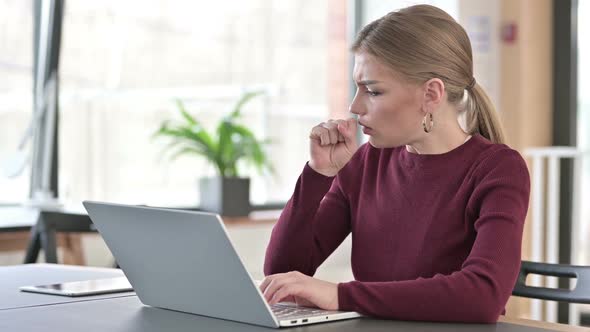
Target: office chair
<point x="580" y="294"/>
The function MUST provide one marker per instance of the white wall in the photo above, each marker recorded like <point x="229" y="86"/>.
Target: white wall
<point x="481" y="20"/>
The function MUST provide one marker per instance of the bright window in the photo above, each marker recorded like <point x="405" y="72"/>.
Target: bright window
<point x="124" y="62"/>
<point x="16" y="59"/>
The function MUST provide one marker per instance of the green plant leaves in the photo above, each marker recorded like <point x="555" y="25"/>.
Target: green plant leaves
<point x="246" y="97"/>
<point x="231" y="142"/>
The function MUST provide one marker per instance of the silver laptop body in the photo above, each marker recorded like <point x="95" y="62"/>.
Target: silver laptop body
<point x="185" y="261"/>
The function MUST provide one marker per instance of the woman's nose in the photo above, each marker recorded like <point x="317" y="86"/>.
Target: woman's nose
<point x="355" y="107"/>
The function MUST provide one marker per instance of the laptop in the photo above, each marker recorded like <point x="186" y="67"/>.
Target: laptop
<point x="185" y="261"/>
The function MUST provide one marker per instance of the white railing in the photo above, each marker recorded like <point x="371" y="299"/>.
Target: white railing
<point x="545" y="229"/>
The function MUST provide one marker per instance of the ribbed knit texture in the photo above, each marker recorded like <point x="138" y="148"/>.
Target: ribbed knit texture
<point x="434" y="237"/>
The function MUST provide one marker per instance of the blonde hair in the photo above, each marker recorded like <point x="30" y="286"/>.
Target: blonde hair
<point x="423" y="42"/>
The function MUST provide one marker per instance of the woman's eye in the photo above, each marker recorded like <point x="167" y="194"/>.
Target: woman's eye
<point x="373" y="93"/>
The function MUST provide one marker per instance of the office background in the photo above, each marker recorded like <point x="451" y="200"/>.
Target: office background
<point x="123" y="63"/>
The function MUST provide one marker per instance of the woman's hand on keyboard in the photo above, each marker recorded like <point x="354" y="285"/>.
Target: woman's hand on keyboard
<point x="300" y="288"/>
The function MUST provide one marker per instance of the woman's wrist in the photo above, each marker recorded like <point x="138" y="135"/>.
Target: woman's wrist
<point x="329" y="173"/>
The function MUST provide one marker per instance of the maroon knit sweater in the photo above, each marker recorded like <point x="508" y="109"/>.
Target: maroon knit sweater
<point x="434" y="237"/>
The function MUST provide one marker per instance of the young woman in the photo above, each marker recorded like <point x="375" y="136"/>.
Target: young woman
<point x="436" y="212"/>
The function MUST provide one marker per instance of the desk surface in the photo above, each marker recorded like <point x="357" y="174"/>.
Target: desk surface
<point x="126" y="313"/>
<point x="12" y="277"/>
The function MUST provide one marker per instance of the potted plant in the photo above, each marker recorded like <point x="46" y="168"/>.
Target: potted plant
<point x="227" y="193"/>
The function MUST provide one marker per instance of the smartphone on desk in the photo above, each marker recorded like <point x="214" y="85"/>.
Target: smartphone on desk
<point x="83" y="288"/>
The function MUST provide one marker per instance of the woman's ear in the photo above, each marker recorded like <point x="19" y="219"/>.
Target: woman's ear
<point x="434" y="91"/>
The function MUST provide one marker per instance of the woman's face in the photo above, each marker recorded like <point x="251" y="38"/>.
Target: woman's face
<point x="389" y="109"/>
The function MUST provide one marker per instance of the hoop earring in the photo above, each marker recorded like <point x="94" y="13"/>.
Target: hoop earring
<point x="428" y="124"/>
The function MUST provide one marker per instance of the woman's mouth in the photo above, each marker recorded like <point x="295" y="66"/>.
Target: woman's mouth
<point x="366" y="130"/>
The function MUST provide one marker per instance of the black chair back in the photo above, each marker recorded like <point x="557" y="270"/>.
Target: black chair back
<point x="580" y="294"/>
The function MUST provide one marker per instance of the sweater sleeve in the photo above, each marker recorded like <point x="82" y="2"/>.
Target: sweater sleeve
<point x="312" y="225"/>
<point x="478" y="291"/>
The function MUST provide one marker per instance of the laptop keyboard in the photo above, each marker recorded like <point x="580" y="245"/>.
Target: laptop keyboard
<point x="289" y="311"/>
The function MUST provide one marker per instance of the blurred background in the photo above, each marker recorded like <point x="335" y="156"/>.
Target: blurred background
<point x="122" y="66"/>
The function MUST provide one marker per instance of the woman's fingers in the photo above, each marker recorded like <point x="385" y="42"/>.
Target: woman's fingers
<point x="273" y="284"/>
<point x="280" y="286"/>
<point x="264" y="284"/>
<point x="348" y="130"/>
<point x="285" y="291"/>
<point x="320" y="134"/>
<point x="300" y="288"/>
<point x="332" y="127"/>
<point x="327" y="132"/>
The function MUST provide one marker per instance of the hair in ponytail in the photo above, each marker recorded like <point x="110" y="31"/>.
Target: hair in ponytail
<point x="481" y="115"/>
<point x="423" y="42"/>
